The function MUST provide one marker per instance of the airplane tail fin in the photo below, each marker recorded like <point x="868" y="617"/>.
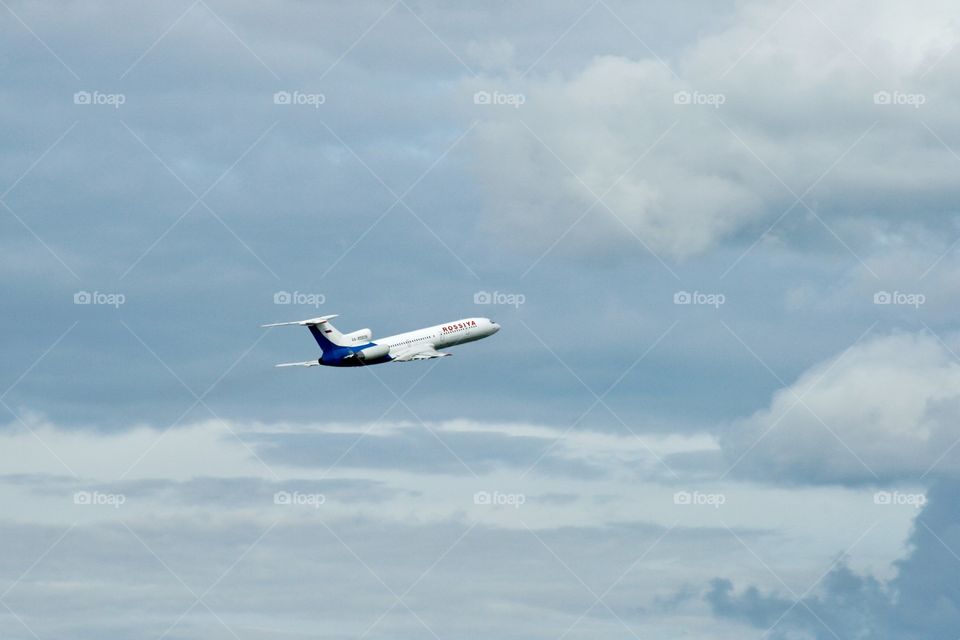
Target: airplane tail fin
<point x="323" y="332"/>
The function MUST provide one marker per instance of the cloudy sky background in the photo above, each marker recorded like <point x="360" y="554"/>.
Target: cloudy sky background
<point x="776" y="459"/>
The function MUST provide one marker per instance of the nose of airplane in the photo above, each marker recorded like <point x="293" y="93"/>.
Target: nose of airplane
<point x="494" y="326"/>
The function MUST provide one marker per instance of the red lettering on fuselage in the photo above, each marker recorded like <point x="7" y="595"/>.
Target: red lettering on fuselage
<point x="459" y="326"/>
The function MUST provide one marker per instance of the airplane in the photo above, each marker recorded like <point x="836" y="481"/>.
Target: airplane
<point x="358" y="349"/>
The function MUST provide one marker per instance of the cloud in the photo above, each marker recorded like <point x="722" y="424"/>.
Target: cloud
<point x="372" y="469"/>
<point x="717" y="142"/>
<point x="919" y="603"/>
<point x="299" y="199"/>
<point x="199" y="499"/>
<point x="622" y="109"/>
<point x="883" y="410"/>
<point x="458" y="446"/>
<point x="200" y="511"/>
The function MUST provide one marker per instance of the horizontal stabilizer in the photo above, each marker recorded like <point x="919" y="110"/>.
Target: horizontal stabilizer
<point x="302" y="323"/>
<point x="308" y="363"/>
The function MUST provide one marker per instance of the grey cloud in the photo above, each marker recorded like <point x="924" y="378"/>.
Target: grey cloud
<point x="300" y="577"/>
<point x="247" y="492"/>
<point x="920" y="602"/>
<point x="415" y="448"/>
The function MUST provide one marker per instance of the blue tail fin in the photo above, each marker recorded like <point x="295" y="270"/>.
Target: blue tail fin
<point x="323" y="332"/>
<point x="325" y="335"/>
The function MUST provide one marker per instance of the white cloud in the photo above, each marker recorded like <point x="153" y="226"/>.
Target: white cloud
<point x="203" y="448"/>
<point x="796" y="96"/>
<point x="885" y="409"/>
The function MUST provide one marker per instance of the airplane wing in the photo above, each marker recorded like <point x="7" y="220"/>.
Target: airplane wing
<point x="422" y="352"/>
<point x="308" y="363"/>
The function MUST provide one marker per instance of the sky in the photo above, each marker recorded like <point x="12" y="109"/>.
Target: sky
<point x="720" y="239"/>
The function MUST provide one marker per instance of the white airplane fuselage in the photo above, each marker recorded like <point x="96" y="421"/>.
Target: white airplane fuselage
<point x="359" y="349"/>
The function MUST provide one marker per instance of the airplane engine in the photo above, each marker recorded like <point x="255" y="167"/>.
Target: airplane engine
<point x="375" y="352"/>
